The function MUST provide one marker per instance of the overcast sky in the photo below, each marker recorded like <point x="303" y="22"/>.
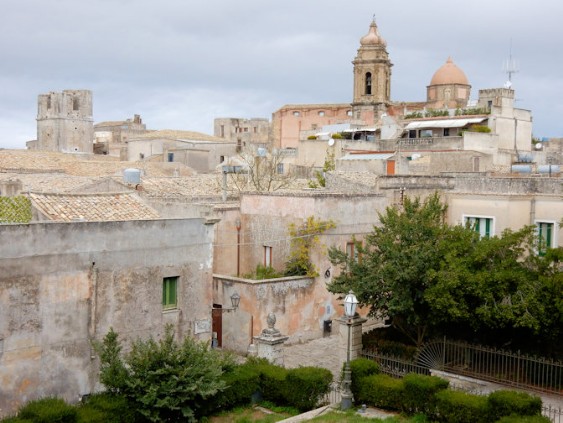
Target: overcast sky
<point x="181" y="63"/>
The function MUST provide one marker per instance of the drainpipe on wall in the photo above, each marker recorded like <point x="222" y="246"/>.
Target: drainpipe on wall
<point x="93" y="304"/>
<point x="532" y="211"/>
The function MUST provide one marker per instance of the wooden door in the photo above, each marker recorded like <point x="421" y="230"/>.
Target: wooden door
<point x="217" y="323"/>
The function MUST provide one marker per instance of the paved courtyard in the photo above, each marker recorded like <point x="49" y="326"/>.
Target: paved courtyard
<point x="321" y="352"/>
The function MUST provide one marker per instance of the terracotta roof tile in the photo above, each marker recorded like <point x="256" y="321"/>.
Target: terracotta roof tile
<point x="92" y="207"/>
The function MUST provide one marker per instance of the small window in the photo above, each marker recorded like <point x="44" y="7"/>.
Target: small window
<point x="426" y="133"/>
<point x="49" y="102"/>
<point x="545" y="236"/>
<point x="169" y="293"/>
<point x="349" y="113"/>
<point x="482" y="225"/>
<point x="222" y="131"/>
<point x="246" y="129"/>
<point x="321" y="113"/>
<point x="280" y="168"/>
<point x="296" y="113"/>
<point x="255" y="129"/>
<point x="221" y="159"/>
<point x="75" y="104"/>
<point x="446" y="132"/>
<point x="170" y="157"/>
<point x="267" y="256"/>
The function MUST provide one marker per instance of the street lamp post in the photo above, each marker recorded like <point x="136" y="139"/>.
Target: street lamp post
<point x="350" y="304"/>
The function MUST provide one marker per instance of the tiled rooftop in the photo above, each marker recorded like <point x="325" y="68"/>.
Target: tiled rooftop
<point x="92" y="207"/>
<point x="90" y="165"/>
<point x="178" y="135"/>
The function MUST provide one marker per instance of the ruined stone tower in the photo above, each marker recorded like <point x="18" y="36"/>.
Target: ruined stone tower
<point x="64" y="121"/>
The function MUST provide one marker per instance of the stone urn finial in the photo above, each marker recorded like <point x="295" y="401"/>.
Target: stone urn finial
<point x="271" y="320"/>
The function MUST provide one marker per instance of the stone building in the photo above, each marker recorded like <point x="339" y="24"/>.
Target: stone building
<point x="111" y="137"/>
<point x="64" y="122"/>
<point x="255" y="131"/>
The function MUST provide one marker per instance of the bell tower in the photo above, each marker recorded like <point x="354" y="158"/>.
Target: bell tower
<point x="372" y="76"/>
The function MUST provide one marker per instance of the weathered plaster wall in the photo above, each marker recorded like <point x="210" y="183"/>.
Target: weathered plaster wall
<point x="63" y="285"/>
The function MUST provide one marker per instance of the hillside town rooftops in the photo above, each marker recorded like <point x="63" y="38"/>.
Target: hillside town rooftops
<point x="177" y="135"/>
<point x="92" y="207"/>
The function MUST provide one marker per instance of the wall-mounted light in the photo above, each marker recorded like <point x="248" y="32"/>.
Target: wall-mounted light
<point x="235" y="301"/>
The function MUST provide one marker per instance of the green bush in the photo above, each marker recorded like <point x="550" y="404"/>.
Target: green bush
<point x="461" y="407"/>
<point x="15" y="419"/>
<point x="524" y="419"/>
<point x="49" y="410"/>
<point x="381" y="391"/>
<point x="312" y="137"/>
<point x="420" y="391"/>
<point x="337" y="136"/>
<point x="361" y="367"/>
<point x="305" y="386"/>
<point x="272" y="382"/>
<point x="241" y="383"/>
<point x="504" y="403"/>
<point x="106" y="408"/>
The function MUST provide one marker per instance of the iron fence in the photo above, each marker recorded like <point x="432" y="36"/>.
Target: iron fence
<point x="395" y="366"/>
<point x="494" y="365"/>
<point x="555" y="414"/>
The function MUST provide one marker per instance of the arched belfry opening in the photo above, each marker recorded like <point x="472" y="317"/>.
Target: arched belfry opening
<point x="368" y="83"/>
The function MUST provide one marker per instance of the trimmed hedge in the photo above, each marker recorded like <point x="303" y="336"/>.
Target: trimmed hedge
<point x="504" y="403"/>
<point x="242" y="382"/>
<point x="461" y="407"/>
<point x="305" y="386"/>
<point x="361" y="367"/>
<point x="49" y="410"/>
<point x="382" y="391"/>
<point x="272" y="383"/>
<point x="524" y="419"/>
<point x="420" y="392"/>
<point x="106" y="408"/>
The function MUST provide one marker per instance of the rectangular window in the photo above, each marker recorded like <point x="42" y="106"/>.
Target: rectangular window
<point x="255" y="129"/>
<point x="425" y="133"/>
<point x="352" y="250"/>
<point x="545" y="236"/>
<point x="482" y="225"/>
<point x="267" y="256"/>
<point x="170" y="157"/>
<point x="446" y="132"/>
<point x="280" y="168"/>
<point x="169" y="293"/>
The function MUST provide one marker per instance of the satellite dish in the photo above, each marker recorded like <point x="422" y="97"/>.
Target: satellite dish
<point x="538" y="146"/>
<point x="330" y="142"/>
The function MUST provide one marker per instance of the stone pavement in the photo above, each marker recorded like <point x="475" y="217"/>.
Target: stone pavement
<point x="321" y="352"/>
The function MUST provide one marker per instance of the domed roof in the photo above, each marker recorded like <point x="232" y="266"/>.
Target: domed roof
<point x="372" y="38"/>
<point x="449" y="73"/>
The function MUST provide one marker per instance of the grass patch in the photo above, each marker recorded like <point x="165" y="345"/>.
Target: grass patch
<point x="253" y="414"/>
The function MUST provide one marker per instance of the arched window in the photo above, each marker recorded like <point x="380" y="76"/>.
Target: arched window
<point x="75" y="103"/>
<point x="368" y="83"/>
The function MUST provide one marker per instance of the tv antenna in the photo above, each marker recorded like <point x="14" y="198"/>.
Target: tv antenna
<point x="510" y="66"/>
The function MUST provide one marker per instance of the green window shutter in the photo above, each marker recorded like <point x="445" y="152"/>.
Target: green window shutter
<point x="169" y="292"/>
<point x="488" y="227"/>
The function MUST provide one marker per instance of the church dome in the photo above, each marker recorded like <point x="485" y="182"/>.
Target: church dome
<point x="372" y="38"/>
<point x="449" y="73"/>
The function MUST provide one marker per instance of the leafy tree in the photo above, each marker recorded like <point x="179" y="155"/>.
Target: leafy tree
<point x="393" y="273"/>
<point x="428" y="276"/>
<point x="164" y="380"/>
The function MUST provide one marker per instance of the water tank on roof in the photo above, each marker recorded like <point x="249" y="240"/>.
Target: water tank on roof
<point x="132" y="176"/>
<point x="519" y="168"/>
<point x="549" y="169"/>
